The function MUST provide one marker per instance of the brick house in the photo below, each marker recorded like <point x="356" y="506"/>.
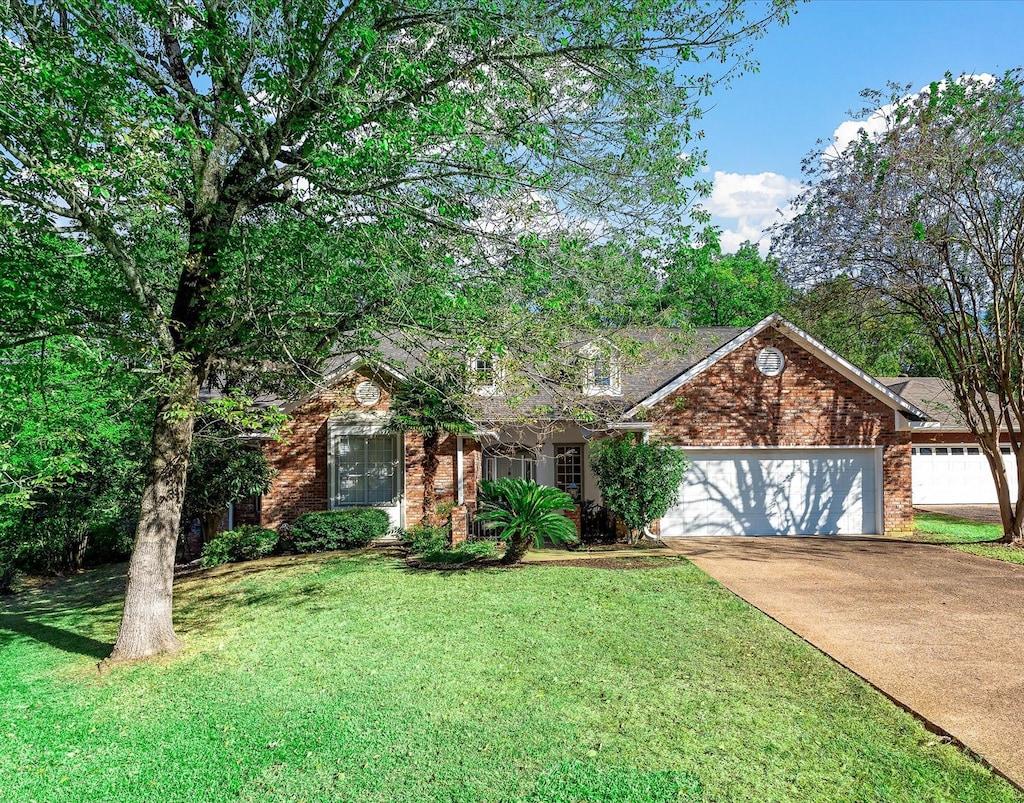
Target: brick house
<point x="784" y="437"/>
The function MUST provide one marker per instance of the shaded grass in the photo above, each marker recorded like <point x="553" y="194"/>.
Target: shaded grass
<point x="351" y="677"/>
<point x="967" y="536"/>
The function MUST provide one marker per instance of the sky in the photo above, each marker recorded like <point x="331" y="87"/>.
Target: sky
<point x="811" y="74"/>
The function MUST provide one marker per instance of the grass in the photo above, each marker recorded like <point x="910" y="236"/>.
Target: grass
<point x="352" y="678"/>
<point x="967" y="536"/>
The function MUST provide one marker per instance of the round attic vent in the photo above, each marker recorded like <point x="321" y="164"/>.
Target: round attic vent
<point x="367" y="393"/>
<point x="770" y="361"/>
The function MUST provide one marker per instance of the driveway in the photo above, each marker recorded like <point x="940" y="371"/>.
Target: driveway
<point x="938" y="630"/>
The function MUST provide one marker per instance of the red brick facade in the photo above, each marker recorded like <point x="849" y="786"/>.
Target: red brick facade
<point x="730" y="404"/>
<point x="299" y="458"/>
<point x="808" y="404"/>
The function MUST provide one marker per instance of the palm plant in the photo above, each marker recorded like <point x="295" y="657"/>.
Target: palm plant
<point x="525" y="513"/>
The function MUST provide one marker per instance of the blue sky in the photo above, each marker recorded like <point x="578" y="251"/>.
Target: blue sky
<point x="811" y="74"/>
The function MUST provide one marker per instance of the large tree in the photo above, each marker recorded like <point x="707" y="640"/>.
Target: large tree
<point x="927" y="212"/>
<point x="254" y="180"/>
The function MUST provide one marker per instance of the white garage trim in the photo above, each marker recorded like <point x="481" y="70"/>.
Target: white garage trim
<point x="770" y="490"/>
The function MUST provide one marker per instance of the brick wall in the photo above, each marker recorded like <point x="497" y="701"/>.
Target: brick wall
<point x="300" y="458"/>
<point x="808" y="404"/>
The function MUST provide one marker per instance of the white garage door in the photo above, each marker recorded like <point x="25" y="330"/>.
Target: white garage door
<point x="777" y="492"/>
<point x="956" y="475"/>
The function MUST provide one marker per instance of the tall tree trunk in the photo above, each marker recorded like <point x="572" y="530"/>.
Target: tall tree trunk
<point x="146" y="625"/>
<point x="431" y="443"/>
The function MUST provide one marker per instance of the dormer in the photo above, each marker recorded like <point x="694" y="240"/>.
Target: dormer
<point x="484" y="374"/>
<point x="602" y="375"/>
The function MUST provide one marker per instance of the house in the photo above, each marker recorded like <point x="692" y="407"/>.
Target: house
<point x="948" y="466"/>
<point x="783" y="434"/>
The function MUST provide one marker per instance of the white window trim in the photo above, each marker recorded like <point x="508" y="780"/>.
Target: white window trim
<point x="494" y="388"/>
<point x="335" y="431"/>
<point x="590" y="353"/>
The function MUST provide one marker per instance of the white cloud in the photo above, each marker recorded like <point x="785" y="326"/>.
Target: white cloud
<point x="754" y="201"/>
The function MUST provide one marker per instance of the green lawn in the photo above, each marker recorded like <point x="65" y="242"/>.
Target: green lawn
<point x="967" y="536"/>
<point x="351" y="677"/>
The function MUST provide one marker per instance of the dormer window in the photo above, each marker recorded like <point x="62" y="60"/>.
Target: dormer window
<point x="601" y="377"/>
<point x="484" y="373"/>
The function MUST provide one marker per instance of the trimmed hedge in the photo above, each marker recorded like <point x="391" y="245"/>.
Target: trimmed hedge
<point x="246" y="543"/>
<point x="338" y="529"/>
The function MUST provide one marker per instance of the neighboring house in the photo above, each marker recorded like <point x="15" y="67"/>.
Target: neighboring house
<point x="949" y="467"/>
<point x="784" y="435"/>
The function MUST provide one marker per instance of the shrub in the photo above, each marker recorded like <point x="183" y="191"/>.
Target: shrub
<point x="639" y="479"/>
<point x="524" y="514"/>
<point x="423" y="539"/>
<point x="246" y="543"/>
<point x="465" y="552"/>
<point x="338" y="529"/>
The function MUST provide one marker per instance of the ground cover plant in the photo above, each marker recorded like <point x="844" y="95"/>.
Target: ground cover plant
<point x="974" y="537"/>
<point x="353" y="677"/>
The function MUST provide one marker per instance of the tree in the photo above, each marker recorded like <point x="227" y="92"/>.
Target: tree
<point x="928" y="214"/>
<point x="253" y="187"/>
<point x="525" y="514"/>
<point x="223" y="469"/>
<point x="704" y="287"/>
<point x="866" y="327"/>
<point x="639" y="479"/>
<point x="431" y="403"/>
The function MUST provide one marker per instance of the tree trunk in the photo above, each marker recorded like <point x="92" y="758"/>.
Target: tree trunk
<point x="146" y="625"/>
<point x="515" y="550"/>
<point x="431" y="443"/>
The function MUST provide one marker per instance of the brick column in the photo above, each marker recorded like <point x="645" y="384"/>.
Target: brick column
<point x="460" y="525"/>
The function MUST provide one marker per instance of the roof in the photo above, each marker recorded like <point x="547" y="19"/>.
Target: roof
<point x="653" y="362"/>
<point x="933" y="395"/>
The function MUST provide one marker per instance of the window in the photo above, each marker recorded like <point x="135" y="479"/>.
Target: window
<point x="956" y="449"/>
<point x="973" y="450"/>
<point x="510" y="461"/>
<point x="569" y="470"/>
<point x="483" y="371"/>
<point x="600" y="369"/>
<point x="1004" y="450"/>
<point x="366" y="469"/>
<point x="941" y="450"/>
<point x="601" y="372"/>
<point x="925" y="451"/>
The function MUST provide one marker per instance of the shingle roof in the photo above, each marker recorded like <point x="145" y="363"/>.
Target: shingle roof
<point x="931" y="394"/>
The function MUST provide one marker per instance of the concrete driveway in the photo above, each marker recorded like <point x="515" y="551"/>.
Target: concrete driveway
<point x="938" y="630"/>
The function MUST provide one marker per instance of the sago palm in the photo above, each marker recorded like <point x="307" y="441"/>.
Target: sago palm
<point x="525" y="513"/>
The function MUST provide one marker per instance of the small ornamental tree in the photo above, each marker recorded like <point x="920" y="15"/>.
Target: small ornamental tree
<point x="639" y="479"/>
<point x="222" y="469"/>
<point x="431" y="403"/>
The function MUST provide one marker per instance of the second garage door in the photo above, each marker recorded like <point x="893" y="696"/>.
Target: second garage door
<point x="778" y="492"/>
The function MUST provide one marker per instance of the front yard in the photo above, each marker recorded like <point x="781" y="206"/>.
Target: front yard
<point x="975" y="537"/>
<point x="351" y="677"/>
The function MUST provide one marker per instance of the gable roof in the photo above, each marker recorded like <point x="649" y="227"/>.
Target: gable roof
<point x="933" y="395"/>
<point x="795" y="333"/>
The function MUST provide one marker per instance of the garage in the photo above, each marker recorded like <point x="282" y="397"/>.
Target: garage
<point x="771" y="491"/>
<point x="955" y="475"/>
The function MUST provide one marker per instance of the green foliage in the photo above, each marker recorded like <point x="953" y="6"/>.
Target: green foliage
<point x="866" y="328"/>
<point x="247" y="542"/>
<point x="639" y="479"/>
<point x="349" y="528"/>
<point x="432" y="402"/>
<point x="524" y="514"/>
<point x="423" y="539"/>
<point x="701" y="286"/>
<point x="466" y="552"/>
<point x="223" y="468"/>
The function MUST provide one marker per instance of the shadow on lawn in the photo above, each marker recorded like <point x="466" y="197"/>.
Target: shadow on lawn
<point x="12" y="625"/>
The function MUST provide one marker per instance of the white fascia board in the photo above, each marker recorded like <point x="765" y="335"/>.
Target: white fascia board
<point x="798" y="335"/>
<point x="632" y="426"/>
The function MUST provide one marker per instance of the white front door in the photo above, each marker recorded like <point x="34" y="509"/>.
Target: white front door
<point x="777" y="492"/>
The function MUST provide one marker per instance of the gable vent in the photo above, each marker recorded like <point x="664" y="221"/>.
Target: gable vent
<point x="770" y="361"/>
